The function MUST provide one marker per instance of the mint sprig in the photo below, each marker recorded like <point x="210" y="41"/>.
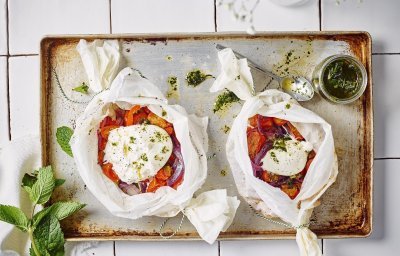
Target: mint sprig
<point x="43" y="227"/>
<point x="63" y="136"/>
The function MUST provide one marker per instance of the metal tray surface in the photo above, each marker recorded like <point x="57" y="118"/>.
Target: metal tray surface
<point x="346" y="208"/>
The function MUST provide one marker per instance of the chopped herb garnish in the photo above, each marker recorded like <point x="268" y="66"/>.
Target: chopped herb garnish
<point x="224" y="99"/>
<point x="173" y="87"/>
<point x="144" y="157"/>
<point x="164" y="150"/>
<point x="280" y="144"/>
<point x="223" y="172"/>
<point x="273" y="155"/>
<point x="196" y="77"/>
<point x="226" y="129"/>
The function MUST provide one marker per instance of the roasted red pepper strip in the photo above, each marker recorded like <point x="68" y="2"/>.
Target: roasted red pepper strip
<point x="109" y="172"/>
<point x="255" y="141"/>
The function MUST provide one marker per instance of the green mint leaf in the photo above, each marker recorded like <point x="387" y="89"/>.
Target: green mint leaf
<point x="62" y="210"/>
<point x="32" y="252"/>
<point x="48" y="236"/>
<point x="28" y="180"/>
<point x="39" y="216"/>
<point x="43" y="188"/>
<point x="63" y="136"/>
<point x="14" y="216"/>
<point x="83" y="88"/>
<point x="59" y="182"/>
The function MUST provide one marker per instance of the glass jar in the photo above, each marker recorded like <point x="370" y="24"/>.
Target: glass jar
<point x="320" y="84"/>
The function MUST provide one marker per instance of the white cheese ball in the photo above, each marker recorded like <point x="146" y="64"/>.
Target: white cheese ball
<point x="289" y="162"/>
<point x="138" y="152"/>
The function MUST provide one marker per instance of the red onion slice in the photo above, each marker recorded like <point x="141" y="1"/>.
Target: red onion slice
<point x="143" y="186"/>
<point x="130" y="189"/>
<point x="260" y="155"/>
<point x="178" y="166"/>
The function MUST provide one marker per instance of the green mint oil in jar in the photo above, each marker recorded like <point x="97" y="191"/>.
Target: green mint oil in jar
<point x="340" y="79"/>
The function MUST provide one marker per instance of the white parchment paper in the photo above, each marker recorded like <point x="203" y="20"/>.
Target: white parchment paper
<point x="268" y="199"/>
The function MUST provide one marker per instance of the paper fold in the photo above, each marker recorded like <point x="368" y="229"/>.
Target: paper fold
<point x="212" y="212"/>
<point x="235" y="75"/>
<point x="101" y="60"/>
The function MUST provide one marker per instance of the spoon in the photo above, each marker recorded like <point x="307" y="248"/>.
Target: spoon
<point x="296" y="86"/>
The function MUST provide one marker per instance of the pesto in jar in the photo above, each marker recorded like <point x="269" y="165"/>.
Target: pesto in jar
<point x="342" y="79"/>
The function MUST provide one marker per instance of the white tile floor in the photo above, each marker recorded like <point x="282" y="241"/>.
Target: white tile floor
<point x="30" y="20"/>
<point x="166" y="16"/>
<point x="380" y="18"/>
<point x="3" y="27"/>
<point x="269" y="16"/>
<point x="3" y="101"/>
<point x="24" y="95"/>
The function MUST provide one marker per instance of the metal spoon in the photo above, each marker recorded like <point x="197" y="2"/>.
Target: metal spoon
<point x="296" y="86"/>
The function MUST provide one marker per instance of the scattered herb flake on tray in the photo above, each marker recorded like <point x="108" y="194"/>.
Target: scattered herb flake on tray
<point x="224" y="99"/>
<point x="196" y="77"/>
<point x="173" y="91"/>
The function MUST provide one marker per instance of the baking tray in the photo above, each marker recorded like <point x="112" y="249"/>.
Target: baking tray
<point x="346" y="208"/>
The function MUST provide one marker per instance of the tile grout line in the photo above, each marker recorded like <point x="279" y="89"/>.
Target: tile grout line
<point x="320" y="14"/>
<point x="322" y="246"/>
<point x="114" y="249"/>
<point x="23" y="55"/>
<point x="36" y="54"/>
<point x="219" y="248"/>
<point x="215" y="16"/>
<point x="8" y="71"/>
<point x="110" y="15"/>
<point x="386" y="158"/>
<point x="386" y="53"/>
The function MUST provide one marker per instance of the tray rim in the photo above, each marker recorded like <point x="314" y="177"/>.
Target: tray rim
<point x="367" y="226"/>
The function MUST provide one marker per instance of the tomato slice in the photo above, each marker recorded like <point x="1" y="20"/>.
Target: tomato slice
<point x="169" y="130"/>
<point x="255" y="141"/>
<point x="311" y="154"/>
<point x="279" y="122"/>
<point x="101" y="142"/>
<point x="291" y="190"/>
<point x="129" y="115"/>
<point x="265" y="122"/>
<point x="164" y="173"/>
<point x="293" y="130"/>
<point x="155" y="184"/>
<point x="177" y="183"/>
<point x="309" y="161"/>
<point x="171" y="159"/>
<point x="100" y="157"/>
<point x="105" y="131"/>
<point x="109" y="172"/>
<point x="106" y="122"/>
<point x="269" y="177"/>
<point x="156" y="120"/>
<point x="253" y="120"/>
